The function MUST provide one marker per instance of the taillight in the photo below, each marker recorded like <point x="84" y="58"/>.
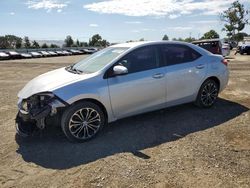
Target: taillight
<point x="224" y="61"/>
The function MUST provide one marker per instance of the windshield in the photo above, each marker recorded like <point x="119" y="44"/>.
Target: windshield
<point x="98" y="60"/>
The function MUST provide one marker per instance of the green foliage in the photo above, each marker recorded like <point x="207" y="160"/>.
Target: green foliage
<point x="35" y="44"/>
<point x="104" y="43"/>
<point x="77" y="43"/>
<point x="44" y="45"/>
<point x="10" y="41"/>
<point x="54" y="46"/>
<point x="3" y="42"/>
<point x="96" y="40"/>
<point x="83" y="44"/>
<point x="235" y="19"/>
<point x="68" y="41"/>
<point x="27" y="42"/>
<point x="165" y="37"/>
<point x="178" y="39"/>
<point x="189" y="39"/>
<point x="212" y="34"/>
<point x="240" y="36"/>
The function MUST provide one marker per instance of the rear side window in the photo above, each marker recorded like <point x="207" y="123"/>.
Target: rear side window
<point x="174" y="54"/>
<point x="144" y="58"/>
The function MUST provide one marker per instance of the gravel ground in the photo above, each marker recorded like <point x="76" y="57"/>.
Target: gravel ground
<point x="183" y="146"/>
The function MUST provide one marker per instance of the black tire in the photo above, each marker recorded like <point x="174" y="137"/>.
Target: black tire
<point x="208" y="94"/>
<point x="82" y="119"/>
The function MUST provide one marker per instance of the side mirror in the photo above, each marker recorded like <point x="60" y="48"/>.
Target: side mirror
<point x="120" y="70"/>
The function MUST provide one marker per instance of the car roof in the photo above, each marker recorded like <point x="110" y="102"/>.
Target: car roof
<point x="207" y="40"/>
<point x="142" y="43"/>
<point x="132" y="45"/>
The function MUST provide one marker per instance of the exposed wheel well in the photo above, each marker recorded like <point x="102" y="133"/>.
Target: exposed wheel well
<point x="97" y="103"/>
<point x="214" y="79"/>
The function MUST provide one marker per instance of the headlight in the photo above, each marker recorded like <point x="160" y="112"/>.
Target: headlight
<point x="24" y="105"/>
<point x="40" y="99"/>
<point x="35" y="101"/>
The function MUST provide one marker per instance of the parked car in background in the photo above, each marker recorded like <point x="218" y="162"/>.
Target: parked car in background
<point x="225" y="49"/>
<point x="14" y="55"/>
<point x="215" y="46"/>
<point x="26" y="55"/>
<point x="65" y="52"/>
<point x="75" y="52"/>
<point x="244" y="48"/>
<point x="90" y="50"/>
<point x="52" y="53"/>
<point x="59" y="52"/>
<point x="45" y="54"/>
<point x="35" y="54"/>
<point x="120" y="81"/>
<point x="4" y="56"/>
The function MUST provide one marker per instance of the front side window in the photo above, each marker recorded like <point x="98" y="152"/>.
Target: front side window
<point x="144" y="58"/>
<point x="177" y="54"/>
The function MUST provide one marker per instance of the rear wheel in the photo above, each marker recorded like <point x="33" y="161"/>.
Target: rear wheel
<point x="208" y="94"/>
<point x="82" y="121"/>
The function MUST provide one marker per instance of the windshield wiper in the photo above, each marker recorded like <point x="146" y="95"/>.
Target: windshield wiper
<point x="73" y="70"/>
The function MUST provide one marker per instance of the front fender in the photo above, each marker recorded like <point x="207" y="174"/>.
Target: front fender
<point x="92" y="89"/>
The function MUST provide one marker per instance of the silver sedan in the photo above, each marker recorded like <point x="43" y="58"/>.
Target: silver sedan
<point x="120" y="81"/>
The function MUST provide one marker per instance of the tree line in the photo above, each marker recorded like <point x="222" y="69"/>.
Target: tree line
<point x="15" y="42"/>
<point x="96" y="40"/>
<point x="212" y="34"/>
<point x="12" y="41"/>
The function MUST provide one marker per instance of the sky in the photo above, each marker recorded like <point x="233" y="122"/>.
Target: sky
<point x="114" y="20"/>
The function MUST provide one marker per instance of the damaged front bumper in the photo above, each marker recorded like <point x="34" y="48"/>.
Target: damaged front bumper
<point x="34" y="111"/>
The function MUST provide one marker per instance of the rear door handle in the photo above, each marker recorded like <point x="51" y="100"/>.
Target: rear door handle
<point x="158" y="75"/>
<point x="201" y="66"/>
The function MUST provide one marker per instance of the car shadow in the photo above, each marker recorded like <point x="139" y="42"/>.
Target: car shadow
<point x="52" y="150"/>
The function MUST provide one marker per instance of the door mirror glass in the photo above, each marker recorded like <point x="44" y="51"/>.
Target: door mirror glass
<point x="120" y="70"/>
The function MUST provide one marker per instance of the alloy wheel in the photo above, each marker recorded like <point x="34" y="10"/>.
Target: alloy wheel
<point x="84" y="123"/>
<point x="209" y="94"/>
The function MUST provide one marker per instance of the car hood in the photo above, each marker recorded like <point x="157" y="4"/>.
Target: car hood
<point x="50" y="81"/>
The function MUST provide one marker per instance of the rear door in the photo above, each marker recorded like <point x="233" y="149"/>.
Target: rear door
<point x="185" y="70"/>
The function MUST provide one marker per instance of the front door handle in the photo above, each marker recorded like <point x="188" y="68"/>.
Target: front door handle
<point x="201" y="66"/>
<point x="158" y="75"/>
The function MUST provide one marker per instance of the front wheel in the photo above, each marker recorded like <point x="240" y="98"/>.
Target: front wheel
<point x="208" y="94"/>
<point x="82" y="121"/>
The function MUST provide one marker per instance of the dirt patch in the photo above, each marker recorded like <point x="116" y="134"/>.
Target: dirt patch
<point x="182" y="146"/>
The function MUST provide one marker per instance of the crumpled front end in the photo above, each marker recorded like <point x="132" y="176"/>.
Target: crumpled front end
<point x="34" y="111"/>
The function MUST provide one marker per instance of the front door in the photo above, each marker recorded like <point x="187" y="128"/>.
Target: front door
<point x="143" y="88"/>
